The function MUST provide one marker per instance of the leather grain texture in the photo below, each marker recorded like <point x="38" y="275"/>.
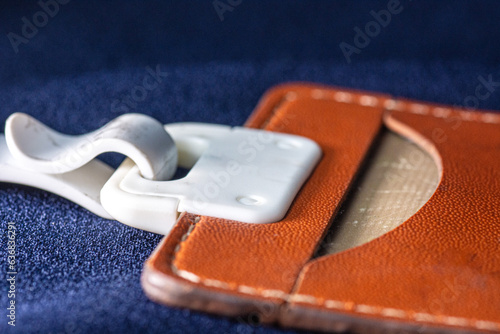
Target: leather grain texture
<point x="438" y="271"/>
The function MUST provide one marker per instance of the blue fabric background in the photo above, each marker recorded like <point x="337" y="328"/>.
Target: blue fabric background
<point x="79" y="273"/>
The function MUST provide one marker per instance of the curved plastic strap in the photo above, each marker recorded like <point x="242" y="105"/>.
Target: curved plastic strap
<point x="82" y="186"/>
<point x="34" y="155"/>
<point x="139" y="137"/>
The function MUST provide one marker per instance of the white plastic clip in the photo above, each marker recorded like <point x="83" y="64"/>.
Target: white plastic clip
<point x="240" y="174"/>
<point x="237" y="173"/>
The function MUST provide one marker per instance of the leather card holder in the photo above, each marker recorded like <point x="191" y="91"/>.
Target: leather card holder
<point x="438" y="271"/>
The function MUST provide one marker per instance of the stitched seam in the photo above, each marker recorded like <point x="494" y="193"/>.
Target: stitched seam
<point x="339" y="305"/>
<point x="177" y="248"/>
<point x="369" y="101"/>
<point x="404" y="106"/>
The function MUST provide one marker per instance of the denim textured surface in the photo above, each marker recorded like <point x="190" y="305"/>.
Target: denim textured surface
<point x="81" y="68"/>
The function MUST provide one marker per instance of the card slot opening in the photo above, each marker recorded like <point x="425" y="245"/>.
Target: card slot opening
<point x="397" y="179"/>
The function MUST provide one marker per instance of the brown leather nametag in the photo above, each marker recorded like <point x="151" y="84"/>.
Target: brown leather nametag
<point x="439" y="270"/>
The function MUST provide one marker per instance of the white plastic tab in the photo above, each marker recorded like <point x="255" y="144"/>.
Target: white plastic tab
<point x="137" y="136"/>
<point x="240" y="174"/>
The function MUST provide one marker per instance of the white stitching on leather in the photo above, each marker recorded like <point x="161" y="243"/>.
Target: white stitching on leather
<point x="328" y="303"/>
<point x="487" y="325"/>
<point x="299" y="298"/>
<point x="247" y="289"/>
<point x="334" y="304"/>
<point x="425" y="317"/>
<point x="411" y="107"/>
<point x="490" y="118"/>
<point x="182" y="273"/>
<point x="418" y="108"/>
<point x="395" y="313"/>
<point x="441" y="112"/>
<point x="187" y="275"/>
<point x="275" y="294"/>
<point x="343" y="97"/>
<point x="368" y="100"/>
<point x="457" y="321"/>
<point x="216" y="283"/>
<point x="390" y="104"/>
<point x="342" y="306"/>
<point x="365" y="309"/>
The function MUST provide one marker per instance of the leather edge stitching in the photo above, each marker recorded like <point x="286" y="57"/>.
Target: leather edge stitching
<point x="404" y="106"/>
<point x="177" y="248"/>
